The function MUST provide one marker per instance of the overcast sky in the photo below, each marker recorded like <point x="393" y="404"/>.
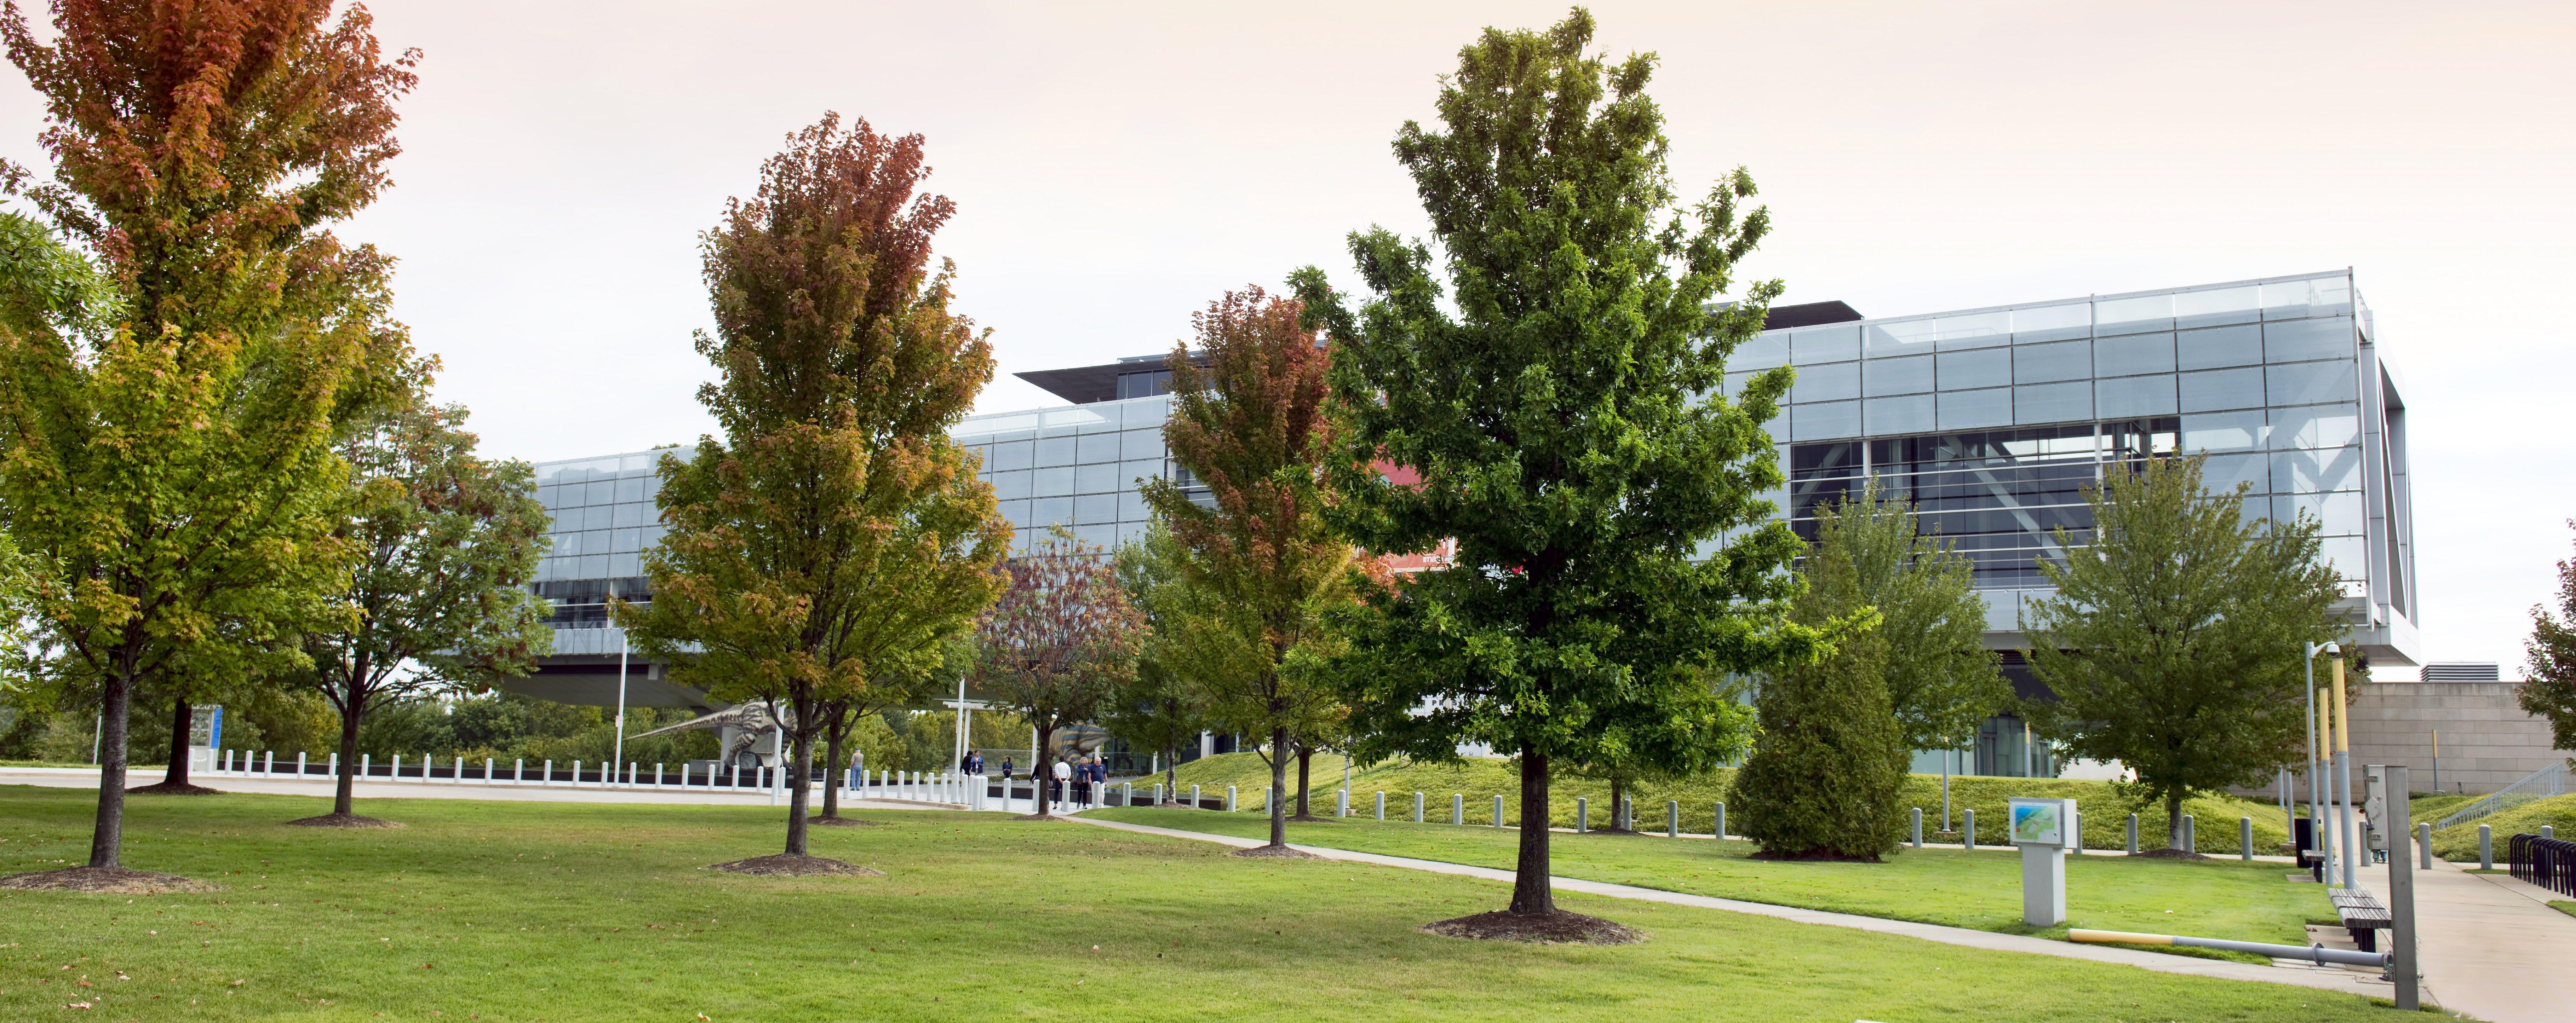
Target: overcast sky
<point x="1117" y="165"/>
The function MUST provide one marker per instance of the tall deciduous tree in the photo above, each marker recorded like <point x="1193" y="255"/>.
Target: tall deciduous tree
<point x="826" y="548"/>
<point x="2551" y="690"/>
<point x="1941" y="680"/>
<point x="1061" y="639"/>
<point x="447" y="545"/>
<point x="1254" y="428"/>
<point x="2175" y="641"/>
<point x="1565" y="427"/>
<point x="175" y="473"/>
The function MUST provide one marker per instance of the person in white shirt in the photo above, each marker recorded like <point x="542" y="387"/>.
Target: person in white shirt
<point x="1063" y="772"/>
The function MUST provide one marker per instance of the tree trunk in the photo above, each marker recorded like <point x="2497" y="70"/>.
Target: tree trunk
<point x="115" y="703"/>
<point x="2173" y="820"/>
<point x="1617" y="823"/>
<point x="181" y="717"/>
<point x="799" y="794"/>
<point x="1305" y="760"/>
<point x="1172" y="773"/>
<point x="1041" y="775"/>
<point x="1531" y="893"/>
<point x="346" y="787"/>
<point x="837" y="736"/>
<point x="1278" y="787"/>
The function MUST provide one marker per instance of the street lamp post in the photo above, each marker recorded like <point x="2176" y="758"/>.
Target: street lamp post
<point x="2347" y="827"/>
<point x="618" y="757"/>
<point x="2317" y="829"/>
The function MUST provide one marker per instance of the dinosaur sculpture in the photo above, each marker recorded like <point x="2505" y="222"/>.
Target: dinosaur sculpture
<point x="750" y="722"/>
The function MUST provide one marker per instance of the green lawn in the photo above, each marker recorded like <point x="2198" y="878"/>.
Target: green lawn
<point x="1982" y="890"/>
<point x="555" y="911"/>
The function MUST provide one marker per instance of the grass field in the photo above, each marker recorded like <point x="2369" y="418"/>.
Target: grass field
<point x="2104" y="811"/>
<point x="1981" y="890"/>
<point x="556" y="911"/>
<point x="2459" y="842"/>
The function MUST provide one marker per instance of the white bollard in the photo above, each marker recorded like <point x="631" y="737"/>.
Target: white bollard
<point x="1194" y="797"/>
<point x="1718" y="830"/>
<point x="1498" y="811"/>
<point x="1341" y="802"/>
<point x="2245" y="839"/>
<point x="1968" y="828"/>
<point x="548" y="778"/>
<point x="1582" y="815"/>
<point x="2133" y="834"/>
<point x="1229" y="799"/>
<point x="576" y="774"/>
<point x="1457" y="808"/>
<point x="518" y="771"/>
<point x="2486" y="847"/>
<point x="2190" y="835"/>
<point x="1126" y="793"/>
<point x="1381" y="806"/>
<point x="1672" y="819"/>
<point x="396" y="769"/>
<point x="299" y="765"/>
<point x="271" y="764"/>
<point x="2424" y="844"/>
<point x="487" y="770"/>
<point x="1918" y="827"/>
<point x="1417" y="808"/>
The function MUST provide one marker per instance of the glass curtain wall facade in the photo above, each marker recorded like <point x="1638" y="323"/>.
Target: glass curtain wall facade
<point x="1992" y="420"/>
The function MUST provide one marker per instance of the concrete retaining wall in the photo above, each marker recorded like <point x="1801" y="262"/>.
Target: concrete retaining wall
<point x="2488" y="742"/>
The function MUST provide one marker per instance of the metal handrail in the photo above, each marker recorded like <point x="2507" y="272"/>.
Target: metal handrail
<point x="2541" y="784"/>
<point x="2547" y="862"/>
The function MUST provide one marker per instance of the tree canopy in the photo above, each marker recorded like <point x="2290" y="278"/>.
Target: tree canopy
<point x="2551" y="690"/>
<point x="2175" y="640"/>
<point x="1941" y="681"/>
<point x="826" y="548"/>
<point x="1061" y="639"/>
<point x="1565" y="427"/>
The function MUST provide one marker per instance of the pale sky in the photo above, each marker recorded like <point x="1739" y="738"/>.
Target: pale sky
<point x="1117" y="165"/>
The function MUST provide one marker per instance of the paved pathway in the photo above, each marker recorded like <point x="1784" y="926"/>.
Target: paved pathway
<point x="2491" y="945"/>
<point x="2324" y="978"/>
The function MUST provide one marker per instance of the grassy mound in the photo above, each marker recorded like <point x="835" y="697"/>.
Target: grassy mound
<point x="1481" y="779"/>
<point x="2459" y="842"/>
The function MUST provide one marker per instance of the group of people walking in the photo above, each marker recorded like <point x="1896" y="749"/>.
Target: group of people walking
<point x="1082" y="779"/>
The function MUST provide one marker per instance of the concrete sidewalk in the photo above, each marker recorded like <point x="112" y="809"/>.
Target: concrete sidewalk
<point x="2490" y="945"/>
<point x="2328" y="979"/>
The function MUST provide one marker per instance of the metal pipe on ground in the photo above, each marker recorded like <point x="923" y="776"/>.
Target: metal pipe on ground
<point x="2318" y="954"/>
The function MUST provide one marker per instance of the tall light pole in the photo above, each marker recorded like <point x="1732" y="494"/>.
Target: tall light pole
<point x="619" y="757"/>
<point x="2347" y="830"/>
<point x="2317" y="830"/>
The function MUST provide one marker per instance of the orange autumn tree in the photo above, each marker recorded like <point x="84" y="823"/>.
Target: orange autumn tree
<point x="171" y="470"/>
<point x="1261" y="567"/>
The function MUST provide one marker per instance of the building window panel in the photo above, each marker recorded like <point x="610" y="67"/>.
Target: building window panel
<point x="1832" y="343"/>
<point x="599" y="492"/>
<point x="1965" y="410"/>
<point x="2052" y="322"/>
<point x="1016" y="511"/>
<point x="1832" y="382"/>
<point x="1767" y="350"/>
<point x="550" y="496"/>
<point x="2315" y="296"/>
<point x="1910" y="413"/>
<point x="2311" y="383"/>
<point x="1990" y="367"/>
<point x="1055" y="451"/>
<point x="2316" y="426"/>
<point x="1131" y="507"/>
<point x="1908" y="375"/>
<point x="625" y="566"/>
<point x="2300" y="340"/>
<point x="630" y="489"/>
<point x="2350" y="556"/>
<point x="568" y="545"/>
<point x="598" y="516"/>
<point x="2221" y="389"/>
<point x="1096" y="447"/>
<point x="653" y="536"/>
<point x="2134" y="396"/>
<point x="2317" y="471"/>
<point x="2223" y="472"/>
<point x="1052" y="481"/>
<point x="1092" y="509"/>
<point x="1096" y="479"/>
<point x="1012" y="455"/>
<point x="1896" y="338"/>
<point x="1011" y="486"/>
<point x="2216" y="306"/>
<point x="1140" y="444"/>
<point x="2219" y="347"/>
<point x="2221" y="431"/>
<point x="2053" y="403"/>
<point x="1101" y="537"/>
<point x="1825" y="420"/>
<point x="592" y="566"/>
<point x="1049" y="511"/>
<point x="625" y="541"/>
<point x="1130" y="474"/>
<point x="1973" y="330"/>
<point x="2064" y="360"/>
<point x="2133" y="354"/>
<point x="2133" y="315"/>
<point x="2337" y="512"/>
<point x="633" y="514"/>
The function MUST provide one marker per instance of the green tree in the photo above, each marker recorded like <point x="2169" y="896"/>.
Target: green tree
<point x="1564" y="428"/>
<point x="1253" y="427"/>
<point x="828" y="547"/>
<point x="1941" y="679"/>
<point x="448" y="543"/>
<point x="174" y="475"/>
<point x="2551" y="691"/>
<point x="2174" y="642"/>
<point x="843" y="712"/>
<point x="1061" y="639"/>
<point x="1829" y="764"/>
<point x="1159" y="708"/>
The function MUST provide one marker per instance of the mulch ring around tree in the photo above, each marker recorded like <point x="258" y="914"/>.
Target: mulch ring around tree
<point x="1277" y="852"/>
<point x="843" y="822"/>
<point x="2168" y="854"/>
<point x="170" y="789"/>
<point x="1556" y="927"/>
<point x="783" y="865"/>
<point x="341" y="820"/>
<point x="104" y="881"/>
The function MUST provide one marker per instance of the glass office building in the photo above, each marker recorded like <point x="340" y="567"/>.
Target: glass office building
<point x="1992" y="420"/>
